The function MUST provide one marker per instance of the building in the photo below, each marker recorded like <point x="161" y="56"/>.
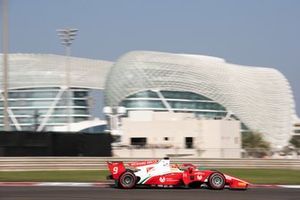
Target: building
<point x="209" y="88"/>
<point x="160" y="134"/>
<point x="38" y="94"/>
<point x="261" y="98"/>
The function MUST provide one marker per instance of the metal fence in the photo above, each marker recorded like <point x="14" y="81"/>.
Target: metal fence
<point x="99" y="163"/>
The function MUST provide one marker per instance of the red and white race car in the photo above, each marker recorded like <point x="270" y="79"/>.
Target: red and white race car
<point x="160" y="173"/>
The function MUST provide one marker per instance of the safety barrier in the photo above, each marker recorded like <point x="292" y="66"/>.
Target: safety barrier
<point x="54" y="144"/>
<point x="99" y="163"/>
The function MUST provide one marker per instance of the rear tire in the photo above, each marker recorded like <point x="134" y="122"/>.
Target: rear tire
<point x="127" y="180"/>
<point x="216" y="181"/>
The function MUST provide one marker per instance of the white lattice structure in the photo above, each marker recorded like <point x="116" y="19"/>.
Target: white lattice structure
<point x="38" y="90"/>
<point x="260" y="97"/>
<point x="48" y="70"/>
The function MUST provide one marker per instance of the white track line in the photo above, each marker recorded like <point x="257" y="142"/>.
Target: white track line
<point x="290" y="186"/>
<point x="54" y="184"/>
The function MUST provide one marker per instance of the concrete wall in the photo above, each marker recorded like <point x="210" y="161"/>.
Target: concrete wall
<point x="166" y="134"/>
<point x="160" y="126"/>
<point x="221" y="138"/>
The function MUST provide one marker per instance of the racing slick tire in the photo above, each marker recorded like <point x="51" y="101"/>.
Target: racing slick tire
<point x="127" y="180"/>
<point x="216" y="181"/>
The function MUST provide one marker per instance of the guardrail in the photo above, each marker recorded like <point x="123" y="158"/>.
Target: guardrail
<point x="99" y="163"/>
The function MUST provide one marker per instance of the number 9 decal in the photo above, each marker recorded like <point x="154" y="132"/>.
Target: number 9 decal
<point x="115" y="170"/>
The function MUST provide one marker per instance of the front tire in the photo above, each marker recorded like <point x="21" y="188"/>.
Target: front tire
<point x="127" y="180"/>
<point x="216" y="181"/>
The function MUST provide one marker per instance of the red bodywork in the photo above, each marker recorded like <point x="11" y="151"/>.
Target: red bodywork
<point x="116" y="169"/>
<point x="179" y="175"/>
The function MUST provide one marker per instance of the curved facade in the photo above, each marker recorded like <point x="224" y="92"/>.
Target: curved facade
<point x="47" y="70"/>
<point x="175" y="101"/>
<point x="38" y="96"/>
<point x="260" y="97"/>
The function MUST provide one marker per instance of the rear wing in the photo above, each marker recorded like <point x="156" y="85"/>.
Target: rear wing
<point x="116" y="169"/>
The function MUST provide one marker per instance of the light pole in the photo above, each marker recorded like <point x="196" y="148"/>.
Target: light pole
<point x="5" y="62"/>
<point x="67" y="35"/>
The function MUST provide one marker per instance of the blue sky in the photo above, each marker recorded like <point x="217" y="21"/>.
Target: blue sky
<point x="254" y="32"/>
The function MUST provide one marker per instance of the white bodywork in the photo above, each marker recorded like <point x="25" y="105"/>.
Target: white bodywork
<point x="148" y="171"/>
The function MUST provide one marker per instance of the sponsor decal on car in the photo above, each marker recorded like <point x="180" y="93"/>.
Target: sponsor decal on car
<point x="162" y="179"/>
<point x="199" y="177"/>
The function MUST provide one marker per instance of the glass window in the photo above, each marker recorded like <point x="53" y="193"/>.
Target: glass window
<point x="76" y="111"/>
<point x="189" y="143"/>
<point x="211" y="114"/>
<point x="80" y="102"/>
<point x="182" y="105"/>
<point x="138" y="141"/>
<point x="183" y="95"/>
<point x="58" y="120"/>
<point x="80" y="111"/>
<point x="26" y="120"/>
<point x="144" y="94"/>
<point x="28" y="128"/>
<point x="29" y="111"/>
<point x="142" y="104"/>
<point x="196" y="105"/>
<point x="30" y="103"/>
<point x="60" y="111"/>
<point x="187" y="102"/>
<point x="80" y="94"/>
<point x="38" y="94"/>
<point x="79" y="119"/>
<point x="63" y="102"/>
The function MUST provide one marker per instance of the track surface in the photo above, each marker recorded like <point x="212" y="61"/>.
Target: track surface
<point x="76" y="193"/>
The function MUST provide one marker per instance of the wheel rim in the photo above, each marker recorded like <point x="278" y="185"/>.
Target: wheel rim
<point x="217" y="181"/>
<point x="127" y="180"/>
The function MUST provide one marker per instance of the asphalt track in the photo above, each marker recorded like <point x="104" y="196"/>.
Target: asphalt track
<point x="91" y="193"/>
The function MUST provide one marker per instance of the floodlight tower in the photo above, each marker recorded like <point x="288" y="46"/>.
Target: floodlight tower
<point x="67" y="36"/>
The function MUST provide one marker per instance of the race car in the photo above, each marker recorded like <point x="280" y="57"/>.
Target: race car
<point x="160" y="173"/>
